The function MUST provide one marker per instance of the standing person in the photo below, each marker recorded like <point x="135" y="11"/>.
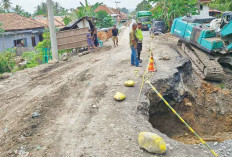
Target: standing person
<point x="115" y="34"/>
<point x="139" y="36"/>
<point x="90" y="41"/>
<point x="133" y="45"/>
<point x="95" y="40"/>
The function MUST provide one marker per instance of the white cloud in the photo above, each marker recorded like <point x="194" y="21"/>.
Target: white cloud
<point x="29" y="5"/>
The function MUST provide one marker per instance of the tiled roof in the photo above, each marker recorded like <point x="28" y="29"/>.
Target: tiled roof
<point x="104" y="8"/>
<point x="107" y="9"/>
<point x="123" y="16"/>
<point x="205" y="1"/>
<point x="13" y="22"/>
<point x="58" y="21"/>
<point x="116" y="11"/>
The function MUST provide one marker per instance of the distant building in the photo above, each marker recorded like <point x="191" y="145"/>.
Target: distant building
<point x="19" y="32"/>
<point x="204" y="8"/>
<point x="44" y="20"/>
<point x="115" y="13"/>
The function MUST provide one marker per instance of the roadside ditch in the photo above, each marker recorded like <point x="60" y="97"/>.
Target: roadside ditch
<point x="206" y="107"/>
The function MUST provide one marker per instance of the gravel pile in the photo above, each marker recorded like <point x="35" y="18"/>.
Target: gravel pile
<point x="223" y="149"/>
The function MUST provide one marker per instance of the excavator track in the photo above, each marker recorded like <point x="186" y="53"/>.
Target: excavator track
<point x="204" y="64"/>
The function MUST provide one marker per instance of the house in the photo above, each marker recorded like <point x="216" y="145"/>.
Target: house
<point x="123" y="16"/>
<point x="115" y="13"/>
<point x="44" y="20"/>
<point x="204" y="7"/>
<point x="81" y="23"/>
<point x="20" y="32"/>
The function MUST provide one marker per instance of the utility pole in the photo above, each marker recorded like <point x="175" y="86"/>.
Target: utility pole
<point x="199" y="6"/>
<point x="117" y="2"/>
<point x="52" y="30"/>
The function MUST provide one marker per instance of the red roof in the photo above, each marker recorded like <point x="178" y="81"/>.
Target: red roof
<point x="13" y="22"/>
<point x="123" y="16"/>
<point x="107" y="9"/>
<point x="116" y="11"/>
<point x="205" y="1"/>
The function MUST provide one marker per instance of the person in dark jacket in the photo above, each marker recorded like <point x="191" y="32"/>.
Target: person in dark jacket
<point x="95" y="40"/>
<point x="115" y="34"/>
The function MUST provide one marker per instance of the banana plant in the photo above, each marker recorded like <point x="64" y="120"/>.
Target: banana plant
<point x="168" y="10"/>
<point x="222" y="5"/>
<point x="87" y="10"/>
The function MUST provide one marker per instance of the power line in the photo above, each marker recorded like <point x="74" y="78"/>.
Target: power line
<point x="117" y="2"/>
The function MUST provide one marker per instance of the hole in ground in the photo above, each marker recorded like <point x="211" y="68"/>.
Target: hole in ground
<point x="204" y="117"/>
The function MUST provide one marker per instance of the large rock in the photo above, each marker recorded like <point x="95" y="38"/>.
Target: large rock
<point x="119" y="96"/>
<point x="151" y="142"/>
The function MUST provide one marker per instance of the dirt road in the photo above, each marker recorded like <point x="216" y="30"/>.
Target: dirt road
<point x="74" y="111"/>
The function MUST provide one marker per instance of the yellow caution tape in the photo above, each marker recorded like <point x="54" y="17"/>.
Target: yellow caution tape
<point x="186" y="124"/>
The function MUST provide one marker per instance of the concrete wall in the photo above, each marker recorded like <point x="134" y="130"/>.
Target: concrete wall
<point x="21" y="50"/>
<point x="205" y="10"/>
<point x="8" y="40"/>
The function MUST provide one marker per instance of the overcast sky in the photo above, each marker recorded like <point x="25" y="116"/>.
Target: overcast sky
<point x="29" y="5"/>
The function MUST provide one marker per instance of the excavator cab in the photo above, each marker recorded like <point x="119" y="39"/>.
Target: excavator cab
<point x="207" y="48"/>
<point x="226" y="18"/>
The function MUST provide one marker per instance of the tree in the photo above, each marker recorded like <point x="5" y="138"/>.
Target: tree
<point x="67" y="20"/>
<point x="143" y="6"/>
<point x="222" y="5"/>
<point x="18" y="9"/>
<point x="7" y="62"/>
<point x="168" y="10"/>
<point x="1" y="9"/>
<point x="1" y="30"/>
<point x="26" y="14"/>
<point x="56" y="7"/>
<point x="105" y="20"/>
<point x="6" y="4"/>
<point x="42" y="9"/>
<point x="87" y="10"/>
<point x="125" y="10"/>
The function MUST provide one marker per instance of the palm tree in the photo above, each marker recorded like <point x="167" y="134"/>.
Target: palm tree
<point x="6" y="4"/>
<point x="18" y="9"/>
<point x="1" y="9"/>
<point x="44" y="7"/>
<point x="56" y="8"/>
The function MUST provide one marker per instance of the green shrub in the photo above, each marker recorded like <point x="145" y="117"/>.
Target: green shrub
<point x="33" y="59"/>
<point x="46" y="43"/>
<point x="12" y="50"/>
<point x="7" y="62"/>
<point x="106" y="20"/>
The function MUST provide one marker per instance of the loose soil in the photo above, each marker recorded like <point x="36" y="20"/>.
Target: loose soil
<point x="78" y="116"/>
<point x="206" y="106"/>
